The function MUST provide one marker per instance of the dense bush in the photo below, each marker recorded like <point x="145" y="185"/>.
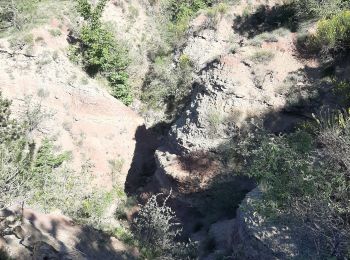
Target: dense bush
<point x="100" y="51"/>
<point x="168" y="86"/>
<point x="157" y="230"/>
<point x="17" y="13"/>
<point x="309" y="9"/>
<point x="332" y="36"/>
<point x="334" y="33"/>
<point x="180" y="14"/>
<point x="306" y="177"/>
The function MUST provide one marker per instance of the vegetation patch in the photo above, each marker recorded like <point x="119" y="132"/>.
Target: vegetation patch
<point x="99" y="51"/>
<point x="262" y="57"/>
<point x="157" y="231"/>
<point x="306" y="184"/>
<point x="167" y="87"/>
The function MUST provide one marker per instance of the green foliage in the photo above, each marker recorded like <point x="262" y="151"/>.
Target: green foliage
<point x="334" y="33"/>
<point x="100" y="52"/>
<point x="89" y="13"/>
<point x="310" y="185"/>
<point x="124" y="234"/>
<point x="38" y="176"/>
<point x="95" y="205"/>
<point x="342" y="91"/>
<point x="283" y="170"/>
<point x="157" y="230"/>
<point x="333" y="29"/>
<point x="180" y="14"/>
<point x="308" y="9"/>
<point x="262" y="57"/>
<point x="185" y="61"/>
<point x="214" y="14"/>
<point x="168" y="86"/>
<point x="17" y="13"/>
<point x="55" y="32"/>
<point x="15" y="176"/>
<point x="10" y="129"/>
<point x="47" y="160"/>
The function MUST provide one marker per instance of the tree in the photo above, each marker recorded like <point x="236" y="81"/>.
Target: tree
<point x="100" y="51"/>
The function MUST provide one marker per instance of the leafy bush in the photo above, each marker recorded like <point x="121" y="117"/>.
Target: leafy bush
<point x="55" y="32"/>
<point x="334" y="33"/>
<point x="17" y="13"/>
<point x="262" y="57"/>
<point x="341" y="90"/>
<point x="100" y="52"/>
<point x="10" y="129"/>
<point x="181" y="12"/>
<point x="308" y="9"/>
<point x="307" y="184"/>
<point x="167" y="87"/>
<point x="15" y="178"/>
<point x="157" y="230"/>
<point x="39" y="175"/>
<point x="215" y="13"/>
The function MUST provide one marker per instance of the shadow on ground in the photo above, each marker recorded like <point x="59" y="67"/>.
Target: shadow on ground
<point x="266" y="19"/>
<point x="48" y="236"/>
<point x="143" y="163"/>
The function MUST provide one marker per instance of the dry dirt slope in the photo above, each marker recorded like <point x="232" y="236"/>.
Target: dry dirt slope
<point x="86" y="119"/>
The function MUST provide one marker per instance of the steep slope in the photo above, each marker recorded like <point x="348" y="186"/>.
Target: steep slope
<point x="242" y="79"/>
<point x="85" y="118"/>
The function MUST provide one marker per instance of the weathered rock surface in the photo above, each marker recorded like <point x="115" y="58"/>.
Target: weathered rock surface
<point x="51" y="236"/>
<point x="231" y="90"/>
<point x="254" y="237"/>
<point x="233" y="87"/>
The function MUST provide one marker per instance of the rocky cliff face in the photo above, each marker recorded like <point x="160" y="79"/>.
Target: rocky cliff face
<point x="233" y="87"/>
<point x="238" y="81"/>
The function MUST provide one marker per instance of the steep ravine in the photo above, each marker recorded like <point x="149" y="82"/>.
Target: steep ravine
<point x="231" y="89"/>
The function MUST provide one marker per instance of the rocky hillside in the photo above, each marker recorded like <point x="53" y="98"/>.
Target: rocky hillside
<point x="138" y="117"/>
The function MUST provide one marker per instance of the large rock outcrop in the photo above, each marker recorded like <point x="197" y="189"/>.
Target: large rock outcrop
<point x="254" y="237"/>
<point x="51" y="236"/>
<point x="239" y="81"/>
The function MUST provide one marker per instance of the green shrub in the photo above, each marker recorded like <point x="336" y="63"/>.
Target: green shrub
<point x="308" y="9"/>
<point x="100" y="52"/>
<point x="262" y="57"/>
<point x="37" y="176"/>
<point x="55" y="32"/>
<point x="181" y="12"/>
<point x="10" y="129"/>
<point x="342" y="91"/>
<point x="166" y="87"/>
<point x="214" y="14"/>
<point x="156" y="229"/>
<point x="17" y="13"/>
<point x="185" y="61"/>
<point x="332" y="36"/>
<point x="124" y="234"/>
<point x="334" y="33"/>
<point x="308" y="185"/>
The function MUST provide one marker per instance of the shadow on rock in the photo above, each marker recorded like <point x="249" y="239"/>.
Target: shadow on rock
<point x="143" y="163"/>
<point x="266" y="19"/>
